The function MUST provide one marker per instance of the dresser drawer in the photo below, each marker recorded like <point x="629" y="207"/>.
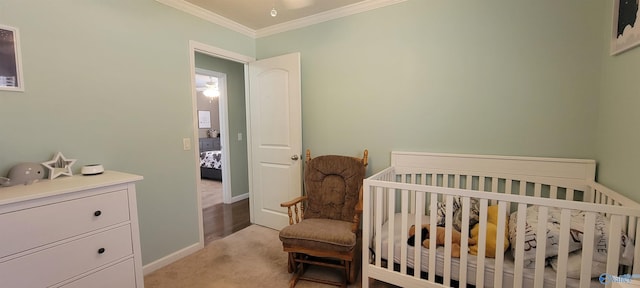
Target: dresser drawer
<point x="33" y="227"/>
<point x="121" y="275"/>
<point x="50" y="266"/>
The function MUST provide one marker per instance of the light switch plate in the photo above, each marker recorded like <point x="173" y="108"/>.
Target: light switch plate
<point x="186" y="144"/>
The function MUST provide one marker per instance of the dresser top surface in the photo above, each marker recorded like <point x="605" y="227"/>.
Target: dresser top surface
<point x="62" y="185"/>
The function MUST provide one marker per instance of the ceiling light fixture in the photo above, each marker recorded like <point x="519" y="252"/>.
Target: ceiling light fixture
<point x="274" y="12"/>
<point x="212" y="90"/>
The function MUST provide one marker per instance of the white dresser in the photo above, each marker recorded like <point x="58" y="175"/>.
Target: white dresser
<point x="78" y="231"/>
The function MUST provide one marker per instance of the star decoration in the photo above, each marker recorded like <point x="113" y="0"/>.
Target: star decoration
<point x="59" y="166"/>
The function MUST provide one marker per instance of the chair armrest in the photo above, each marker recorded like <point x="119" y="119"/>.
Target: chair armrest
<point x="293" y="202"/>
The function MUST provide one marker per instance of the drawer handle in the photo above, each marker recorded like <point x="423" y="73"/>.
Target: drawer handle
<point x="101" y="250"/>
<point x="97" y="213"/>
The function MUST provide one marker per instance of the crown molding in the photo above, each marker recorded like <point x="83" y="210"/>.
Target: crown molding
<point x="197" y="11"/>
<point x="326" y="16"/>
<point x="278" y="28"/>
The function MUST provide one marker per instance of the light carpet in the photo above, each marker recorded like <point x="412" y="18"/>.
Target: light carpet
<point x="251" y="257"/>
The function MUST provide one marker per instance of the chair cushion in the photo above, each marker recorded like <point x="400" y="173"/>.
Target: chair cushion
<point x="320" y="234"/>
<point x="332" y="183"/>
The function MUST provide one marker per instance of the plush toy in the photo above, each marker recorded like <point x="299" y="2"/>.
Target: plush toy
<point x="23" y="174"/>
<point x="455" y="238"/>
<point x="492" y="230"/>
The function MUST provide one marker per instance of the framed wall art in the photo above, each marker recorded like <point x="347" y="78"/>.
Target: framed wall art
<point x="10" y="60"/>
<point x="204" y="119"/>
<point x="625" y="32"/>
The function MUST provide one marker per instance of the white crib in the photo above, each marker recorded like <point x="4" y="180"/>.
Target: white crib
<point x="409" y="191"/>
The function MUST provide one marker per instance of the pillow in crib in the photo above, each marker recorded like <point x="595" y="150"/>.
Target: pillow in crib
<point x="474" y="213"/>
<point x="574" y="264"/>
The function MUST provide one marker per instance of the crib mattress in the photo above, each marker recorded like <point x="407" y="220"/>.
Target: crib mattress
<point x="489" y="263"/>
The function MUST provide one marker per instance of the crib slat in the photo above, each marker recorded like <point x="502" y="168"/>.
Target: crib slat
<point x="553" y="192"/>
<point x="404" y="210"/>
<point x="447" y="240"/>
<point x="569" y="194"/>
<point x="378" y="193"/>
<point x="499" y="258"/>
<point x="417" y="251"/>
<point x="537" y="190"/>
<point x="541" y="246"/>
<point x="563" y="248"/>
<point x="631" y="227"/>
<point x="587" y="249"/>
<point x="412" y="199"/>
<point x="589" y="195"/>
<point x="391" y="198"/>
<point x="508" y="186"/>
<point x="636" y="260"/>
<point x="494" y="188"/>
<point x="519" y="255"/>
<point x="464" y="239"/>
<point x="509" y="190"/>
<point x="432" y="239"/>
<point x="615" y="225"/>
<point x="523" y="187"/>
<point x="482" y="243"/>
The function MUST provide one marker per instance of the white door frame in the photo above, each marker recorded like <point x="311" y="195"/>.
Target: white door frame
<point x="223" y="117"/>
<point x="194" y="47"/>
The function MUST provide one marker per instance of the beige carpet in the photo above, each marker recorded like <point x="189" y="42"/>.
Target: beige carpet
<point x="252" y="257"/>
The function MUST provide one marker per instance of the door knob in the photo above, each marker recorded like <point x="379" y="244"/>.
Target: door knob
<point x="294" y="157"/>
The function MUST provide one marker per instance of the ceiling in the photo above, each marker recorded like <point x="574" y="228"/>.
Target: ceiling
<point x="253" y="17"/>
<point x="256" y="14"/>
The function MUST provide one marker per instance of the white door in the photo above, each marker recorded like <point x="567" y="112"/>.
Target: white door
<point x="275" y="126"/>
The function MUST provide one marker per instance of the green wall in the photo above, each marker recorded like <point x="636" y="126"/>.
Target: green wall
<point x="237" y="118"/>
<point x="484" y="77"/>
<point x="618" y="135"/>
<point x="109" y="82"/>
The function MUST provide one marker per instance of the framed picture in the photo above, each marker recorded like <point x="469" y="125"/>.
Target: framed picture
<point x="10" y="60"/>
<point x="204" y="119"/>
<point x="625" y="32"/>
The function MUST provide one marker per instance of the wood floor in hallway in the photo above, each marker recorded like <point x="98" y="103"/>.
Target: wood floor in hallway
<point x="221" y="220"/>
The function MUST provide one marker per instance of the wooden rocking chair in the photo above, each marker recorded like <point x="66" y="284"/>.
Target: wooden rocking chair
<point x="328" y="234"/>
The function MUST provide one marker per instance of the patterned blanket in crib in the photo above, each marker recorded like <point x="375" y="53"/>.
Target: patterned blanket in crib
<point x="601" y="237"/>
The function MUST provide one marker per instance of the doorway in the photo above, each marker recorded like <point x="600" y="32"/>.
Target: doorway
<point x="225" y="72"/>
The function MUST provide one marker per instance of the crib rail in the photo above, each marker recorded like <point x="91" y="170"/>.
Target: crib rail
<point x="400" y="196"/>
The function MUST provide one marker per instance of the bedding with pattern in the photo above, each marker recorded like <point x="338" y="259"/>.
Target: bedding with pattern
<point x="552" y="237"/>
<point x="601" y="239"/>
<point x="211" y="159"/>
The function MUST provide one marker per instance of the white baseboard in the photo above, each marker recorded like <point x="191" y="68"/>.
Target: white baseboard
<point x="239" y="197"/>
<point x="164" y="261"/>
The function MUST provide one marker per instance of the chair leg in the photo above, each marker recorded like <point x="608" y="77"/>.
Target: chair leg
<point x="291" y="264"/>
<point x="298" y="269"/>
<point x="354" y="269"/>
<point x="355" y="263"/>
<point x="347" y="273"/>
